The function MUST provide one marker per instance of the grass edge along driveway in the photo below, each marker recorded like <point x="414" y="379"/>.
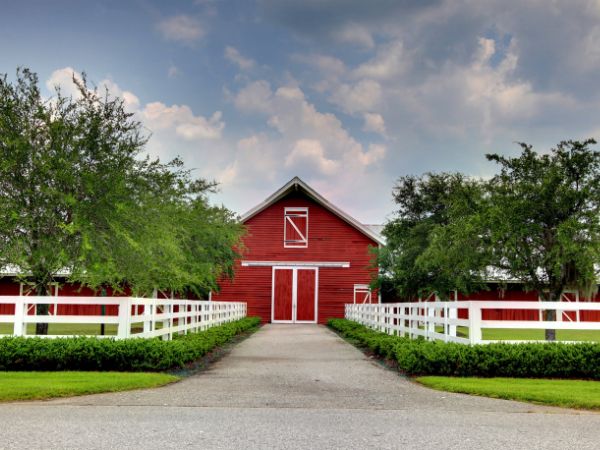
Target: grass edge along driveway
<point x="580" y="394"/>
<point x="45" y="385"/>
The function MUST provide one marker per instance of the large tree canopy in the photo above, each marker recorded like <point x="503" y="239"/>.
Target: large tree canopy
<point x="536" y="221"/>
<point x="78" y="196"/>
<point x="425" y="249"/>
<point x="544" y="218"/>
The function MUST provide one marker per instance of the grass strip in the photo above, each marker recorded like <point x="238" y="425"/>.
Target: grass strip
<point x="45" y="385"/>
<point x="565" y="393"/>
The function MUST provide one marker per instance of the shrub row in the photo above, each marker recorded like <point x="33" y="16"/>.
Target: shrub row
<point x="128" y="355"/>
<point x="534" y="360"/>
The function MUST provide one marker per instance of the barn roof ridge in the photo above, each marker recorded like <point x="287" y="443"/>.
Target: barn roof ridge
<point x="296" y="183"/>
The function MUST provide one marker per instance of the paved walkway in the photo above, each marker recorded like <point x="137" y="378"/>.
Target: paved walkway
<point x="294" y="386"/>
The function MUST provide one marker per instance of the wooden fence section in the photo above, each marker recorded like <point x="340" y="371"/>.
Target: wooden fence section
<point x="136" y="317"/>
<point x="440" y="320"/>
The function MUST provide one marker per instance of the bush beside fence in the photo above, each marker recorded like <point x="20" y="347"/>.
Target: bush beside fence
<point x="533" y="360"/>
<point x="127" y="355"/>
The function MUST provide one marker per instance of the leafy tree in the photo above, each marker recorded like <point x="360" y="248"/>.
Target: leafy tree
<point x="537" y="220"/>
<point x="426" y="249"/>
<point x="544" y="219"/>
<point x="77" y="196"/>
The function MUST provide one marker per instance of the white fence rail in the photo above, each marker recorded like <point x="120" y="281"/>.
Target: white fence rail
<point x="136" y="317"/>
<point x="439" y="320"/>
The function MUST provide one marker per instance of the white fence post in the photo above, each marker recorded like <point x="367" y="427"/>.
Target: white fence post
<point x="452" y="314"/>
<point x="124" y="326"/>
<point x="475" y="335"/>
<point x="19" y="328"/>
<point x="148" y="323"/>
<point x="430" y="324"/>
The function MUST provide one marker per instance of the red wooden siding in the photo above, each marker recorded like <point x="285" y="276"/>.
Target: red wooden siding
<point x="329" y="239"/>
<point x="306" y="295"/>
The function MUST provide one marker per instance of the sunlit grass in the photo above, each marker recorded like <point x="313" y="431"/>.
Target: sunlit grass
<point x="515" y="334"/>
<point x="44" y="385"/>
<point x="75" y="329"/>
<point x="565" y="393"/>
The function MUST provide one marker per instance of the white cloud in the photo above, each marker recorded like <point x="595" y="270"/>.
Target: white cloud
<point x="482" y="97"/>
<point x="156" y="116"/>
<point x="362" y="96"/>
<point x="327" y="65"/>
<point x="180" y="118"/>
<point x="356" y="34"/>
<point x="304" y="141"/>
<point x="390" y="61"/>
<point x="374" y="123"/>
<point x="63" y="80"/>
<point x="233" y="55"/>
<point x="131" y="101"/>
<point x="375" y="153"/>
<point x="254" y="97"/>
<point x="309" y="154"/>
<point x="242" y="169"/>
<point x="181" y="28"/>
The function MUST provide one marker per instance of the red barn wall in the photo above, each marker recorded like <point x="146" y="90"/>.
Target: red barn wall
<point x="330" y="239"/>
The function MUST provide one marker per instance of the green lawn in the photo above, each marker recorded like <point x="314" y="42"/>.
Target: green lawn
<point x="44" y="385"/>
<point x="565" y="393"/>
<point x="514" y="334"/>
<point x="74" y="329"/>
<point x="561" y="335"/>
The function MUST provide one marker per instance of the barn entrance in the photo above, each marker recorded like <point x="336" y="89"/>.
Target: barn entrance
<point x="294" y="295"/>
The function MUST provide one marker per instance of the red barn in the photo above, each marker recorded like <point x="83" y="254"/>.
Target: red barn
<point x="303" y="259"/>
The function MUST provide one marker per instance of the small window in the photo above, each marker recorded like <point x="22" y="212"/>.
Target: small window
<point x="295" y="232"/>
<point x="362" y="293"/>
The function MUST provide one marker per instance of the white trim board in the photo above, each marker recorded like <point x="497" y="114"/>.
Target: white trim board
<point x="334" y="264"/>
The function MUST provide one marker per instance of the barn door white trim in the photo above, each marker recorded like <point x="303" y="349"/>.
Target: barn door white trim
<point x="294" y="270"/>
<point x="297" y="218"/>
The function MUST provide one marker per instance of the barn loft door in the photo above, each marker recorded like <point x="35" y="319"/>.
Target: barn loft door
<point x="294" y="295"/>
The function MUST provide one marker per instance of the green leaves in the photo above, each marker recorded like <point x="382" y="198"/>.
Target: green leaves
<point x="545" y="217"/>
<point x="528" y="360"/>
<point x="538" y="220"/>
<point x="78" y="194"/>
<point x="433" y="244"/>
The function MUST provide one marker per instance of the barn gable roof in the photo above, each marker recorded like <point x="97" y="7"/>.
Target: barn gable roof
<point x="295" y="185"/>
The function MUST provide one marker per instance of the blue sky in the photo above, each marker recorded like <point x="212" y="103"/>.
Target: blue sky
<point x="347" y="94"/>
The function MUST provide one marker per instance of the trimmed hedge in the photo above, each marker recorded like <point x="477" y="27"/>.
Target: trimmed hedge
<point x="128" y="355"/>
<point x="534" y="360"/>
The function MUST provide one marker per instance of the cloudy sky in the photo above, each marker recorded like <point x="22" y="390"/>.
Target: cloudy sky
<point x="347" y="94"/>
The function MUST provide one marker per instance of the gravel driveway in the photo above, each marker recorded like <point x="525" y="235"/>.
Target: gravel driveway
<point x="294" y="386"/>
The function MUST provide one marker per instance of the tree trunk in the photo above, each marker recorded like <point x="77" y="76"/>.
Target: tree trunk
<point x="42" y="310"/>
<point x="550" y="334"/>
<point x="550" y="316"/>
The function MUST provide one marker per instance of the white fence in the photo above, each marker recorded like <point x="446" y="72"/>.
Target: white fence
<point x="137" y="317"/>
<point x="439" y="320"/>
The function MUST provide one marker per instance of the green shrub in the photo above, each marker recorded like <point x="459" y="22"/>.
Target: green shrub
<point x="128" y="355"/>
<point x="534" y="360"/>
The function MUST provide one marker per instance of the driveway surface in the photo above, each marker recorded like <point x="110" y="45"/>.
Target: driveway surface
<point x="294" y="386"/>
